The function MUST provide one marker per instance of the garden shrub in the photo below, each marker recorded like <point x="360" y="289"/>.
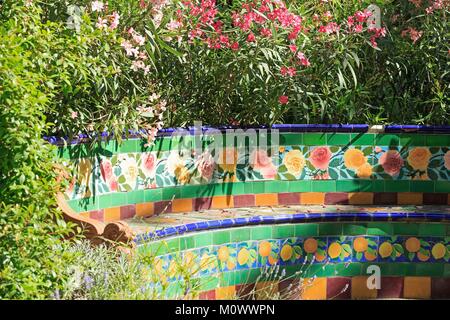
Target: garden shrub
<point x="263" y="61"/>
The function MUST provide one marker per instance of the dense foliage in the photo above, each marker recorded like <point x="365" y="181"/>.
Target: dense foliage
<point x="252" y="62"/>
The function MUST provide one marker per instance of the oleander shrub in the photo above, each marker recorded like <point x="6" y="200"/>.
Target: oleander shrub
<point x="263" y="61"/>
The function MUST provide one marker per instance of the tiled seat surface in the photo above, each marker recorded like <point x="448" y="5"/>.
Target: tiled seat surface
<point x="141" y="225"/>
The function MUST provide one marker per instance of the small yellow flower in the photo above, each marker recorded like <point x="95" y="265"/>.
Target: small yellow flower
<point x="364" y="171"/>
<point x="354" y="158"/>
<point x="294" y="162"/>
<point x="419" y="158"/>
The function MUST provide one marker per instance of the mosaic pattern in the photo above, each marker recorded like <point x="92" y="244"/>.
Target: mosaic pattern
<point x="127" y="172"/>
<point x="210" y="260"/>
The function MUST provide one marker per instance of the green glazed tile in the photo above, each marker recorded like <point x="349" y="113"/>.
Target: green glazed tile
<point x="119" y="199"/>
<point x="153" y="195"/>
<point x="422" y="186"/>
<point x="438" y="140"/>
<point x="221" y="237"/>
<point x="261" y="233"/>
<point x="432" y="229"/>
<point x="187" y="243"/>
<point x="412" y="140"/>
<point x="171" y="193"/>
<point x="172" y="245"/>
<point x="448" y="230"/>
<point x="348" y="270"/>
<point x="259" y="187"/>
<point x="351" y="229"/>
<point x="447" y="270"/>
<point x="337" y="139"/>
<point x="291" y="139"/>
<point x="134" y="197"/>
<point x="299" y="186"/>
<point x="240" y="234"/>
<point x="347" y="186"/>
<point x="442" y="186"/>
<point x="366" y="185"/>
<point x="248" y="188"/>
<point x="208" y="283"/>
<point x="203" y="239"/>
<point x="402" y="269"/>
<point x="327" y="270"/>
<point x="430" y="269"/>
<point x="383" y="139"/>
<point x="323" y="186"/>
<point x="226" y="279"/>
<point x="306" y="230"/>
<point x="378" y="185"/>
<point x="406" y="228"/>
<point x="128" y="146"/>
<point x="362" y="139"/>
<point x="314" y="139"/>
<point x="396" y="186"/>
<point x="276" y="186"/>
<point x="330" y="229"/>
<point x="105" y="200"/>
<point x="283" y="231"/>
<point x="380" y="229"/>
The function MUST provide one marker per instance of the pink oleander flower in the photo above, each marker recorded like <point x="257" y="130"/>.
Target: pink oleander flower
<point x="251" y="37"/>
<point x="320" y="157"/>
<point x="129" y="49"/>
<point x="392" y="162"/>
<point x="358" y="28"/>
<point x="283" y="99"/>
<point x="97" y="6"/>
<point x="266" y="32"/>
<point x="235" y="46"/>
<point x="115" y="19"/>
<point x="302" y="58"/>
<point x="101" y="23"/>
<point x="293" y="48"/>
<point x="74" y="115"/>
<point x="174" y="25"/>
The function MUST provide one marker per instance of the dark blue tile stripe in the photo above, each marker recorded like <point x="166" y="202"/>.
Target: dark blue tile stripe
<point x="291" y="218"/>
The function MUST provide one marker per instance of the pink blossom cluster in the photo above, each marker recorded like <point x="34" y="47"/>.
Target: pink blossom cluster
<point x="131" y="48"/>
<point x="102" y="21"/>
<point x="414" y="34"/>
<point x="356" y="21"/>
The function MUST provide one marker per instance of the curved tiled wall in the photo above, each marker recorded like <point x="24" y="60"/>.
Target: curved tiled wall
<point x="312" y="165"/>
<point x="115" y="182"/>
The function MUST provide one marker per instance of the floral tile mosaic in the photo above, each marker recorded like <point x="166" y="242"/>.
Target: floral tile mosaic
<point x="247" y="255"/>
<point x="148" y="170"/>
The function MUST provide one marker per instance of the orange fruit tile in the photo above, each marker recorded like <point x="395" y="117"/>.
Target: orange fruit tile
<point x="315" y="290"/>
<point x="182" y="205"/>
<point x="417" y="287"/>
<point x="266" y="199"/>
<point x="412" y="198"/>
<point x="220" y="202"/>
<point x="360" y="289"/>
<point x="360" y="198"/>
<point x="312" y="198"/>
<point x="111" y="214"/>
<point x="144" y="209"/>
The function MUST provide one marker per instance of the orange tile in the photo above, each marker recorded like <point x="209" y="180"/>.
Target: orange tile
<point x="266" y="199"/>
<point x="360" y="198"/>
<point x="182" y="205"/>
<point x="415" y="198"/>
<point x="417" y="287"/>
<point x="226" y="293"/>
<point x="360" y="289"/>
<point x="144" y="209"/>
<point x="219" y="202"/>
<point x="111" y="214"/>
<point x="314" y="289"/>
<point x="85" y="214"/>
<point x="312" y="198"/>
<point x="266" y="290"/>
